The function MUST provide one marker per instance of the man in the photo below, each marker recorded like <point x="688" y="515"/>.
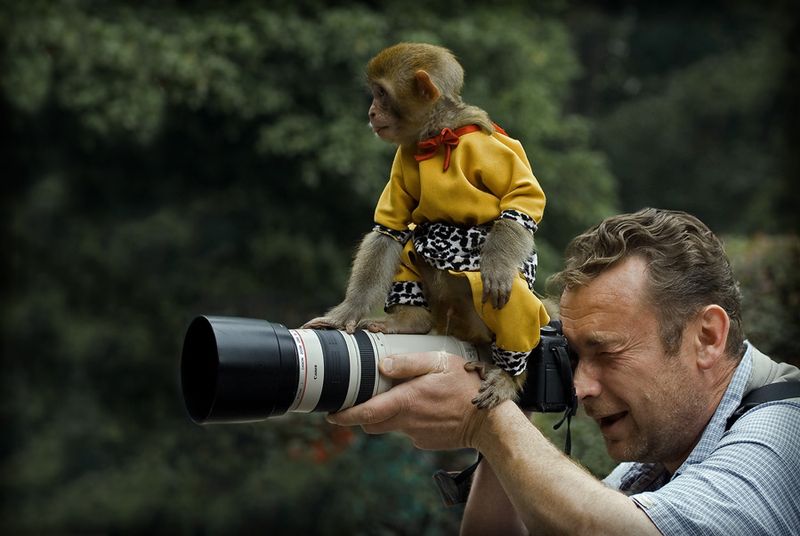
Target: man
<point x="651" y="308"/>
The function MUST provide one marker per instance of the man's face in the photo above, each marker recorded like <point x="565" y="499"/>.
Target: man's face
<point x="649" y="406"/>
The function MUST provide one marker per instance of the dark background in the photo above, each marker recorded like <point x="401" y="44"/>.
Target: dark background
<point x="163" y="159"/>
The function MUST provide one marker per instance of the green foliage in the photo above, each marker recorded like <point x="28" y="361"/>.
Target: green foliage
<point x="164" y="159"/>
<point x="766" y="267"/>
<point x="690" y="109"/>
<point x="706" y="133"/>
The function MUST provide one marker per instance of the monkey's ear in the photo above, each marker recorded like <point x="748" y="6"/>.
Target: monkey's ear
<point x="425" y="86"/>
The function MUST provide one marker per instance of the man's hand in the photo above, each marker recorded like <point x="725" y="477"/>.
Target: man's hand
<point x="433" y="407"/>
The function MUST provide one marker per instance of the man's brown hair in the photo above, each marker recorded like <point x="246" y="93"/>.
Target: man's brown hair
<point x="687" y="268"/>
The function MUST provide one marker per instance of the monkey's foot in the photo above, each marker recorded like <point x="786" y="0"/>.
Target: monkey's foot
<point x="497" y="385"/>
<point x="321" y="322"/>
<point x="401" y="319"/>
<point x="326" y="322"/>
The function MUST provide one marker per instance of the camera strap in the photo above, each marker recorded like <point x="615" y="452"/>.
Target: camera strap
<point x="454" y="485"/>
<point x="568" y="441"/>
<point x="567" y="387"/>
<point x="766" y="393"/>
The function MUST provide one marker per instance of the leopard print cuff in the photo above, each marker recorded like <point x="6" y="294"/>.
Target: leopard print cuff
<point x="399" y="236"/>
<point x="512" y="362"/>
<point x="521" y="218"/>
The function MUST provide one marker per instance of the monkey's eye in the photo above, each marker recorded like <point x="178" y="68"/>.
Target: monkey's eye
<point x="380" y="92"/>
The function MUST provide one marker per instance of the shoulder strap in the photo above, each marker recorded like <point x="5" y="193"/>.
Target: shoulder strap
<point x="767" y="393"/>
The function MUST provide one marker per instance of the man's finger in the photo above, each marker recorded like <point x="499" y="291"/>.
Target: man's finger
<point x="373" y="411"/>
<point x="411" y="365"/>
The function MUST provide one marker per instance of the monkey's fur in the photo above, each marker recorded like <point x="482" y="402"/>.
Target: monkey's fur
<point x="416" y="94"/>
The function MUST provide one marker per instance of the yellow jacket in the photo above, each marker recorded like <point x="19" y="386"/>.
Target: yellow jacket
<point x="488" y="174"/>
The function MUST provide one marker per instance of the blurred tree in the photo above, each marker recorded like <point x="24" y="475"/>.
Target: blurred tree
<point x="690" y="104"/>
<point x="169" y="158"/>
<point x="766" y="268"/>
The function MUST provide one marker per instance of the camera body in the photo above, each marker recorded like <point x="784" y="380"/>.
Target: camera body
<point x="243" y="370"/>
<point x="549" y="387"/>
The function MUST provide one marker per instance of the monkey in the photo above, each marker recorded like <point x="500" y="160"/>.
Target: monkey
<point x="452" y="250"/>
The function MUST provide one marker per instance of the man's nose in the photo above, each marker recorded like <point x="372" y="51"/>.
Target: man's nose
<point x="586" y="380"/>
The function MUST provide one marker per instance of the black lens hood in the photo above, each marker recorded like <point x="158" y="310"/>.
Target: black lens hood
<point x="237" y="369"/>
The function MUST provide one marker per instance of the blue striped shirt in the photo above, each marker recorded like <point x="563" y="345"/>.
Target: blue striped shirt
<point x="744" y="481"/>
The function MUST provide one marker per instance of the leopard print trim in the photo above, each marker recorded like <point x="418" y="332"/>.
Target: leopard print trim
<point x="406" y="293"/>
<point x="512" y="362"/>
<point x="450" y="247"/>
<point x="399" y="236"/>
<point x="521" y="218"/>
<point x="529" y="269"/>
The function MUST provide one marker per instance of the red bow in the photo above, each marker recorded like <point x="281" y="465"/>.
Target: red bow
<point x="448" y="138"/>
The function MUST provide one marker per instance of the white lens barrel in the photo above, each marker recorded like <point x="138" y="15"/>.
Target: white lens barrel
<point x="364" y="350"/>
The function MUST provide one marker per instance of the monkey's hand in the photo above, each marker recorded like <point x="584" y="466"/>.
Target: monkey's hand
<point x="507" y="246"/>
<point x="497" y="385"/>
<point x="497" y="281"/>
<point x="374" y="266"/>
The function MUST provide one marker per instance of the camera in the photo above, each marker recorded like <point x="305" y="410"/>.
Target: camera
<point x="242" y="369"/>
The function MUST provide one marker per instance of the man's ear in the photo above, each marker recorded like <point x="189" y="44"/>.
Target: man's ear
<point x="712" y="325"/>
<point x="425" y="86"/>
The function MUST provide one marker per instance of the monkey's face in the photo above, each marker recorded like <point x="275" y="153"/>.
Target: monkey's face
<point x="385" y="114"/>
<point x="406" y="82"/>
<point x="382" y="118"/>
<point x="395" y="117"/>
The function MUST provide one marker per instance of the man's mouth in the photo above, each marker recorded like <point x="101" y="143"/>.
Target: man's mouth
<point x="607" y="422"/>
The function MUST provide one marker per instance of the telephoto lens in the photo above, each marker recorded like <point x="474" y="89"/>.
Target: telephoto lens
<point x="243" y="370"/>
